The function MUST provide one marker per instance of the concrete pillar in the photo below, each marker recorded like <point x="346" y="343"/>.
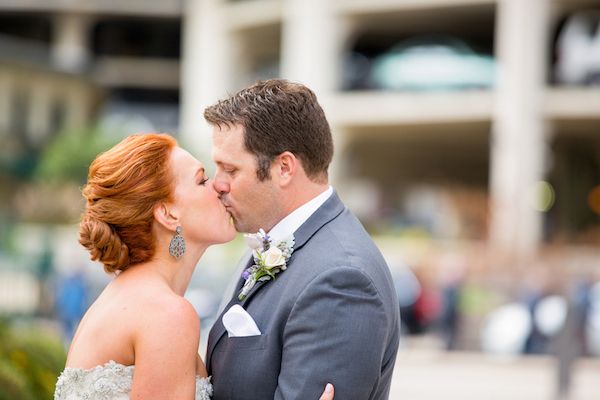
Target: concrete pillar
<point x="337" y="170"/>
<point x="70" y="43"/>
<point x="311" y="51"/>
<point x="78" y="104"/>
<point x="310" y="44"/>
<point x="39" y="111"/>
<point x="205" y="69"/>
<point x="519" y="136"/>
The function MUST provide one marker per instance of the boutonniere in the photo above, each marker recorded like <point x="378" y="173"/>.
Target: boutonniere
<point x="269" y="259"/>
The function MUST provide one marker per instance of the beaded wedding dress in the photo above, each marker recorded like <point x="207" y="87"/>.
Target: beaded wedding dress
<point x="111" y="381"/>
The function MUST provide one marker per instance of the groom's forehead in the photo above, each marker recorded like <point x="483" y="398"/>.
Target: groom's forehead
<point x="231" y="137"/>
<point x="233" y="155"/>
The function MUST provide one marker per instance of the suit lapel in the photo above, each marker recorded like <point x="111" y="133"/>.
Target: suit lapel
<point x="324" y="214"/>
<point x="216" y="332"/>
<point x="218" y="328"/>
<point x="257" y="286"/>
<point x="235" y="281"/>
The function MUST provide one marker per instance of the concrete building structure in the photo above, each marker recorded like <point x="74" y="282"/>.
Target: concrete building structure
<point x="128" y="49"/>
<point x="502" y="140"/>
<point x="36" y="98"/>
<point x="485" y="150"/>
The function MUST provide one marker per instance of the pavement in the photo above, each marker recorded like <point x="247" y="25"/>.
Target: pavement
<point x="428" y="374"/>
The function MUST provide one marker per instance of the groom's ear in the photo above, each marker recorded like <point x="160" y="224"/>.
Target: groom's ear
<point x="285" y="167"/>
<point x="167" y="216"/>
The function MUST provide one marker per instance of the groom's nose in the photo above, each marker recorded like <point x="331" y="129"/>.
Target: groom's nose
<point x="220" y="185"/>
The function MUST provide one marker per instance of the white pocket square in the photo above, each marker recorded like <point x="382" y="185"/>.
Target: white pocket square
<point x="239" y="323"/>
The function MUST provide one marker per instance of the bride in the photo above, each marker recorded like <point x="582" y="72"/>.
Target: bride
<point x="151" y="213"/>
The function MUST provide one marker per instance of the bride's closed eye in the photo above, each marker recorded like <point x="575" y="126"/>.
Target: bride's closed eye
<point x="201" y="176"/>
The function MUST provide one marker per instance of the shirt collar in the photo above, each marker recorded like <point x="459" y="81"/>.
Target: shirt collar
<point x="296" y="218"/>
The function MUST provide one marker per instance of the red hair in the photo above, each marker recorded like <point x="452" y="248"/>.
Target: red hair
<point x="124" y="185"/>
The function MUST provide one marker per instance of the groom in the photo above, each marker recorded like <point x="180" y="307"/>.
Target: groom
<point x="331" y="314"/>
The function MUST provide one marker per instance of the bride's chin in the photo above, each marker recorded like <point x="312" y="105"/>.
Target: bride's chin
<point x="229" y="232"/>
<point x="224" y="240"/>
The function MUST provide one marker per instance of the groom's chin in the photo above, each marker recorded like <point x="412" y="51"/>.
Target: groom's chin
<point x="244" y="226"/>
<point x="239" y="227"/>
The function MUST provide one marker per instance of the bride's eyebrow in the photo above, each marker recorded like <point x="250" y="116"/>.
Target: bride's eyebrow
<point x="200" y="170"/>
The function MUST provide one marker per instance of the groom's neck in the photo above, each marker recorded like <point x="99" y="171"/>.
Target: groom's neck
<point x="299" y="195"/>
<point x="291" y="197"/>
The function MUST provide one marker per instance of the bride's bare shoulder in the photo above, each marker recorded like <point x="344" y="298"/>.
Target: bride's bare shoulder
<point x="170" y="307"/>
<point x="156" y="311"/>
<point x="167" y="332"/>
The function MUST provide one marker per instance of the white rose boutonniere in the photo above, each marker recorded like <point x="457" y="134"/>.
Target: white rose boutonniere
<point x="273" y="258"/>
<point x="255" y="241"/>
<point x="269" y="259"/>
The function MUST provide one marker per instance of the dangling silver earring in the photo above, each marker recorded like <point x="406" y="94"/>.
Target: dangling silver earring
<point x="177" y="245"/>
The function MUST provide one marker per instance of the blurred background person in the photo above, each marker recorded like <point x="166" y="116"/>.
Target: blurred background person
<point x="71" y="301"/>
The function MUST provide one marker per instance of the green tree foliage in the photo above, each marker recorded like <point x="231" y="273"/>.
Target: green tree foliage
<point x="30" y="361"/>
<point x="68" y="156"/>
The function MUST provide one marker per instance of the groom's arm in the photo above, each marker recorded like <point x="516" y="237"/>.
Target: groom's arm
<point x="336" y="333"/>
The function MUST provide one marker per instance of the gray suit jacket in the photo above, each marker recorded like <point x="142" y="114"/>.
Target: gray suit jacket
<point x="331" y="316"/>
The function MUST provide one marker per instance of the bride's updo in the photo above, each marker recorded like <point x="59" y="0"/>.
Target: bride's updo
<point x="124" y="184"/>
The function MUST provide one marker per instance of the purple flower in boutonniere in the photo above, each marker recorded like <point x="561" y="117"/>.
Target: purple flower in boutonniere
<point x="269" y="259"/>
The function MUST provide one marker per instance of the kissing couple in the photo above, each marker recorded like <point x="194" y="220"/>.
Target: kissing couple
<point x="312" y="309"/>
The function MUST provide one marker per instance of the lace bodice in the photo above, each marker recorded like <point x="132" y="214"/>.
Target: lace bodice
<point x="109" y="381"/>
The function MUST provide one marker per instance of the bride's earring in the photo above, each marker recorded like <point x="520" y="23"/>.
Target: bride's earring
<point x="177" y="245"/>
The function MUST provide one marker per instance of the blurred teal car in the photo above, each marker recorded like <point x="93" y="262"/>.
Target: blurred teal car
<point x="429" y="64"/>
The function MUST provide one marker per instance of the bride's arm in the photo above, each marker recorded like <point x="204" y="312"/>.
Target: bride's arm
<point x="166" y="349"/>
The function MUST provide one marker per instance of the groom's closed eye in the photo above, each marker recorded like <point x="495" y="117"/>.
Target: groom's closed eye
<point x="229" y="170"/>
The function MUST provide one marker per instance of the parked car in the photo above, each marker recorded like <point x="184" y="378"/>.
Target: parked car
<point x="433" y="63"/>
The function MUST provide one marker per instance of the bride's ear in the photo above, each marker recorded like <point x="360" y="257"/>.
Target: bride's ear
<point x="166" y="215"/>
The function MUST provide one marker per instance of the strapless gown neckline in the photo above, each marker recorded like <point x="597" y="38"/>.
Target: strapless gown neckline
<point x="108" y="381"/>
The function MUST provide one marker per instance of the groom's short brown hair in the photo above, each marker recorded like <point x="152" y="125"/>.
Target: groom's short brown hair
<point x="277" y="116"/>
